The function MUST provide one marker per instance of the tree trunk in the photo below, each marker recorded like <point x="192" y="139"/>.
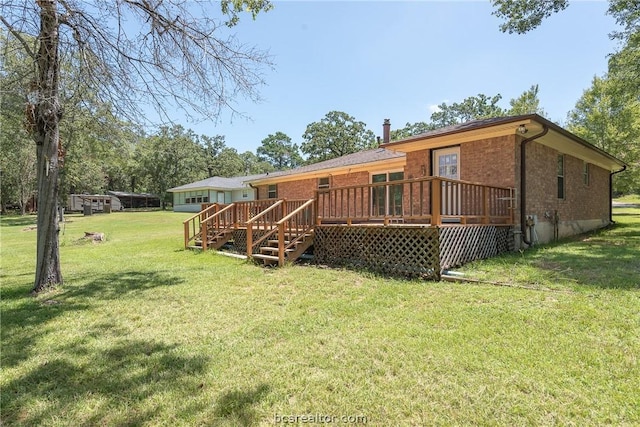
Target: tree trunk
<point x="48" y="113"/>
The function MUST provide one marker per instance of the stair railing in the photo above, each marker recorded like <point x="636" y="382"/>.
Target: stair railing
<point x="298" y="223"/>
<point x="213" y="217"/>
<point x="265" y="220"/>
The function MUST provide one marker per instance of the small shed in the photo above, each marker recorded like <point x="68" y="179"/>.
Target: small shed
<point x="136" y="200"/>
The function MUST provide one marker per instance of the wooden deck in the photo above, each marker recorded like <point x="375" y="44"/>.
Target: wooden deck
<point x="416" y="227"/>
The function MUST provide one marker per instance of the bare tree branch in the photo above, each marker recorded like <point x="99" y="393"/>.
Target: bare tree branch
<point x="129" y="54"/>
<point x="164" y="54"/>
<point x="18" y="37"/>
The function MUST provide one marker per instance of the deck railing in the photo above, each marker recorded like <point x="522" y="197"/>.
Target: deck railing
<point x="213" y="218"/>
<point x="428" y="200"/>
<point x="432" y="200"/>
<point x="266" y="222"/>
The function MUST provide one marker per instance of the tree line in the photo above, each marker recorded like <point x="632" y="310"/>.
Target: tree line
<point x="102" y="152"/>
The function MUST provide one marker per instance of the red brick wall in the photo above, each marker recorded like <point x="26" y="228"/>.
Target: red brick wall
<point x="306" y="188"/>
<point x="356" y="178"/>
<point x="489" y="161"/>
<point x="418" y="164"/>
<point x="581" y="202"/>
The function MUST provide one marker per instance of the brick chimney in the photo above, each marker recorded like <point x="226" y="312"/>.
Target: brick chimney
<point x="386" y="131"/>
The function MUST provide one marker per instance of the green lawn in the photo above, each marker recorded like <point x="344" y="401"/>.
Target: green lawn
<point x="145" y="333"/>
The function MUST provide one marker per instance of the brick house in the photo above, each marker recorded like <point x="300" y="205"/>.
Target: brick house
<point x="424" y="204"/>
<point x="562" y="184"/>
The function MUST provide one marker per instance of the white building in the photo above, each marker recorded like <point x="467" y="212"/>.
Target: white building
<point x="189" y="197"/>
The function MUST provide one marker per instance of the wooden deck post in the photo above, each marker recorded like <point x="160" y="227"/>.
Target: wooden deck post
<point x="234" y="216"/>
<point x="281" y="245"/>
<point x="436" y="190"/>
<point x="186" y="234"/>
<point x="485" y="205"/>
<point x="249" y="240"/>
<point x="216" y="209"/>
<point x="316" y="207"/>
<point x="204" y="235"/>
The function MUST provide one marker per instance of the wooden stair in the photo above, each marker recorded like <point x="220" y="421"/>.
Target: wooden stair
<point x="215" y="240"/>
<point x="269" y="255"/>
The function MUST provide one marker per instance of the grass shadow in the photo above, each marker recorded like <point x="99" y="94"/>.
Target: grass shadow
<point x="25" y="318"/>
<point x="237" y="406"/>
<point x="119" y="284"/>
<point x="18" y="221"/>
<point x="108" y="374"/>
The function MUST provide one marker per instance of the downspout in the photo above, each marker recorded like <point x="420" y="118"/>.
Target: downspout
<point x="611" y="192"/>
<point x="255" y="191"/>
<point x="523" y="182"/>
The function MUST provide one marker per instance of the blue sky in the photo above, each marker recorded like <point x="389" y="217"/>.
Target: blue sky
<point x="397" y="60"/>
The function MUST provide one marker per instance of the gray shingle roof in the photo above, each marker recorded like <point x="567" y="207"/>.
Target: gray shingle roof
<point x="234" y="183"/>
<point x="461" y="127"/>
<point x="359" y="158"/>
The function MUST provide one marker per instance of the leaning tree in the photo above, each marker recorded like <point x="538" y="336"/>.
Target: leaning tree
<point x="132" y="54"/>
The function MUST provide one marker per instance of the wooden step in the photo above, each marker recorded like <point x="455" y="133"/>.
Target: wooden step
<point x="275" y="242"/>
<point x="266" y="259"/>
<point x="272" y="249"/>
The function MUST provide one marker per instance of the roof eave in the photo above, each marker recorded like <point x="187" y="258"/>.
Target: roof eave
<point x="508" y="126"/>
<point x="358" y="167"/>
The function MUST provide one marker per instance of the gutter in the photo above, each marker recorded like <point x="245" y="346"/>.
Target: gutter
<point x="624" y="167"/>
<point x="523" y="181"/>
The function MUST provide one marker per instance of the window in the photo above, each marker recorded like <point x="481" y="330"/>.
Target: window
<point x="323" y="183"/>
<point x="448" y="166"/>
<point x="387" y="199"/>
<point x="561" y="176"/>
<point x="245" y="194"/>
<point x="205" y="199"/>
<point x="585" y="173"/>
<point x="272" y="191"/>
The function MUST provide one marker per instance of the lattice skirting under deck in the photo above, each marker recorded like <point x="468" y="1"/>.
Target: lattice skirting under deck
<point x="463" y="244"/>
<point x="409" y="251"/>
<point x="406" y="251"/>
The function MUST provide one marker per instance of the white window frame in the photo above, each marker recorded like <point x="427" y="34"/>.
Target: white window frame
<point x="274" y="191"/>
